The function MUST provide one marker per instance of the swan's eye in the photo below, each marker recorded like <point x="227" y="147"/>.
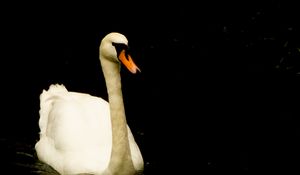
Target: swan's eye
<point x="119" y="47"/>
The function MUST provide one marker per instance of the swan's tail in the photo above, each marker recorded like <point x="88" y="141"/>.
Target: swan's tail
<point x="46" y="99"/>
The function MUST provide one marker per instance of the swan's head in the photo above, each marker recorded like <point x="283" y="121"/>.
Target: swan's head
<point x="114" y="47"/>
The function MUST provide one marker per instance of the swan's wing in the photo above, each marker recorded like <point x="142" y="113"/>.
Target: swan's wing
<point x="136" y="155"/>
<point x="76" y="127"/>
<point x="54" y="92"/>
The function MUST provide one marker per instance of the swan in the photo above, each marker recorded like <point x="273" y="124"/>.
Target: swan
<point x="84" y="134"/>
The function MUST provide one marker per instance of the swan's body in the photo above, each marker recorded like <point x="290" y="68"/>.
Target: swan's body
<point x="80" y="133"/>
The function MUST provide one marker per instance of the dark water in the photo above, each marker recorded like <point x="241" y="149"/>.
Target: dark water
<point x="219" y="83"/>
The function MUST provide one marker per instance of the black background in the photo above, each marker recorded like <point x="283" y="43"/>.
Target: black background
<point x="219" y="81"/>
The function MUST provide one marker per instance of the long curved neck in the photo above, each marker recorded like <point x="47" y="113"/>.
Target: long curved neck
<point x="120" y="162"/>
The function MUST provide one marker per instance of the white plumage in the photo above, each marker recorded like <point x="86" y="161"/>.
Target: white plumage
<point x="76" y="129"/>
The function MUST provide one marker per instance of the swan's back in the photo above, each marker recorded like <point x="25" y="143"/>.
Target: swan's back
<point x="75" y="132"/>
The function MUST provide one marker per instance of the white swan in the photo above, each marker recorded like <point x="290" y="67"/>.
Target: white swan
<point x="84" y="134"/>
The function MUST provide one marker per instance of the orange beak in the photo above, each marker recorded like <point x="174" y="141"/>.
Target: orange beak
<point x="128" y="62"/>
